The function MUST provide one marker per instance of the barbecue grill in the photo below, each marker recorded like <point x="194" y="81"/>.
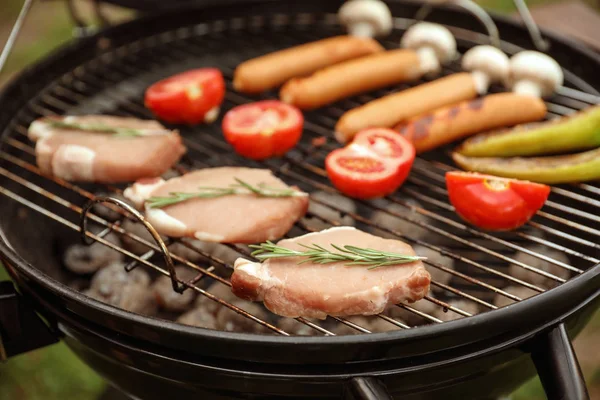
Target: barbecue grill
<point x="480" y="355"/>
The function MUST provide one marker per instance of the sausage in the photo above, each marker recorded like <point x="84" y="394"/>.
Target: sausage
<point x="271" y="70"/>
<point x="351" y="77"/>
<point x="394" y="108"/>
<point x="450" y="123"/>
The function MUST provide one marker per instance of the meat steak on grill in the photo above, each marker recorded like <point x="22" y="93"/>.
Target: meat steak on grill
<point x="236" y="218"/>
<point x="290" y="289"/>
<point x="81" y="154"/>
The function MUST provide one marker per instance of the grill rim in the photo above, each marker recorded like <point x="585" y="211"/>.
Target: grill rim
<point x="587" y="280"/>
<point x="311" y="345"/>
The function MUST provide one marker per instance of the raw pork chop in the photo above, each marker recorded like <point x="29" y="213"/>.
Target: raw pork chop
<point x="239" y="218"/>
<point x="94" y="156"/>
<point x="317" y="290"/>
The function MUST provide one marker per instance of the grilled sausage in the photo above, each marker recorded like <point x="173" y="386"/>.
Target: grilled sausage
<point x="351" y="77"/>
<point x="271" y="70"/>
<point x="392" y="109"/>
<point x="450" y="123"/>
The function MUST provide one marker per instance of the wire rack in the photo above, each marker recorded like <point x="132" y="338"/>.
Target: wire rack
<point x="419" y="213"/>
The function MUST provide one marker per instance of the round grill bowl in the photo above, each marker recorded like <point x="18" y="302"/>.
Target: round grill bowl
<point x="482" y="356"/>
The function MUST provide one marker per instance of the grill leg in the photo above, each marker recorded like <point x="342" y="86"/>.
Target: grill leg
<point x="366" y="389"/>
<point x="557" y="366"/>
<point x="21" y="329"/>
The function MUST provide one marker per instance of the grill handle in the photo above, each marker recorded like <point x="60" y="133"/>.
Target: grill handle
<point x="557" y="366"/>
<point x="366" y="389"/>
<point x="21" y="329"/>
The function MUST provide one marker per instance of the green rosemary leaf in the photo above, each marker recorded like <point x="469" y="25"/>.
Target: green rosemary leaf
<point x="118" y="132"/>
<point x="205" y="192"/>
<point x="317" y="254"/>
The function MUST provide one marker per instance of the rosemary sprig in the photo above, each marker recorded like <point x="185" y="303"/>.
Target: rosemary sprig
<point x="319" y="255"/>
<point x="205" y="192"/>
<point x="118" y="132"/>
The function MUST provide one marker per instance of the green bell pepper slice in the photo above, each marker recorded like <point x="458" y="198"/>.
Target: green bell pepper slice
<point x="580" y="131"/>
<point x="579" y="167"/>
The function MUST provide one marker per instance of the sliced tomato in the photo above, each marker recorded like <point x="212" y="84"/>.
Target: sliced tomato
<point x="492" y="203"/>
<point x="190" y="97"/>
<point x="263" y="129"/>
<point x="375" y="164"/>
<point x="386" y="143"/>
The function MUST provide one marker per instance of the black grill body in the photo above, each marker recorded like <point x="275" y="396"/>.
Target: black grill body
<point x="482" y="356"/>
<point x="485" y="370"/>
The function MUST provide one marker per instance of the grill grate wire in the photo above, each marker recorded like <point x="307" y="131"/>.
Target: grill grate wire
<point x="137" y="63"/>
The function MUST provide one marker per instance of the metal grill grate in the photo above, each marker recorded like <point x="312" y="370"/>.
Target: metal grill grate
<point x="113" y="83"/>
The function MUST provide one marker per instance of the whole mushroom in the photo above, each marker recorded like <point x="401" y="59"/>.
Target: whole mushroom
<point x="487" y="64"/>
<point x="534" y="73"/>
<point x="433" y="43"/>
<point x="366" y="18"/>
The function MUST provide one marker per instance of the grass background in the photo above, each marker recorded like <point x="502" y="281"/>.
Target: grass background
<point x="54" y="373"/>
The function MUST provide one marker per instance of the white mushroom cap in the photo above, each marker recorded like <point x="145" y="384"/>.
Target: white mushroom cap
<point x="488" y="65"/>
<point x="367" y="18"/>
<point x="434" y="44"/>
<point x="534" y="73"/>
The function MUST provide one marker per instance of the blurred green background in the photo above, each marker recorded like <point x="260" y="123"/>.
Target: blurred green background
<point x="54" y="373"/>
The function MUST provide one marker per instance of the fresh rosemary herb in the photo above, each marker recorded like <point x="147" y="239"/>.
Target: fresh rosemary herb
<point x="319" y="255"/>
<point x="205" y="192"/>
<point x="118" y="132"/>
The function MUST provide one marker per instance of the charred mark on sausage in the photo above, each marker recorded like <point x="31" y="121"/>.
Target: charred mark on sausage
<point x="453" y="112"/>
<point x="476" y="104"/>
<point x="421" y="127"/>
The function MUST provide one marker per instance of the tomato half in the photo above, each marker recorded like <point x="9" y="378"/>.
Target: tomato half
<point x="374" y="164"/>
<point x="189" y="98"/>
<point x="263" y="129"/>
<point x="492" y="203"/>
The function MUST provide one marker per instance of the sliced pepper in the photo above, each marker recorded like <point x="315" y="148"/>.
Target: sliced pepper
<point x="579" y="131"/>
<point x="555" y="169"/>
